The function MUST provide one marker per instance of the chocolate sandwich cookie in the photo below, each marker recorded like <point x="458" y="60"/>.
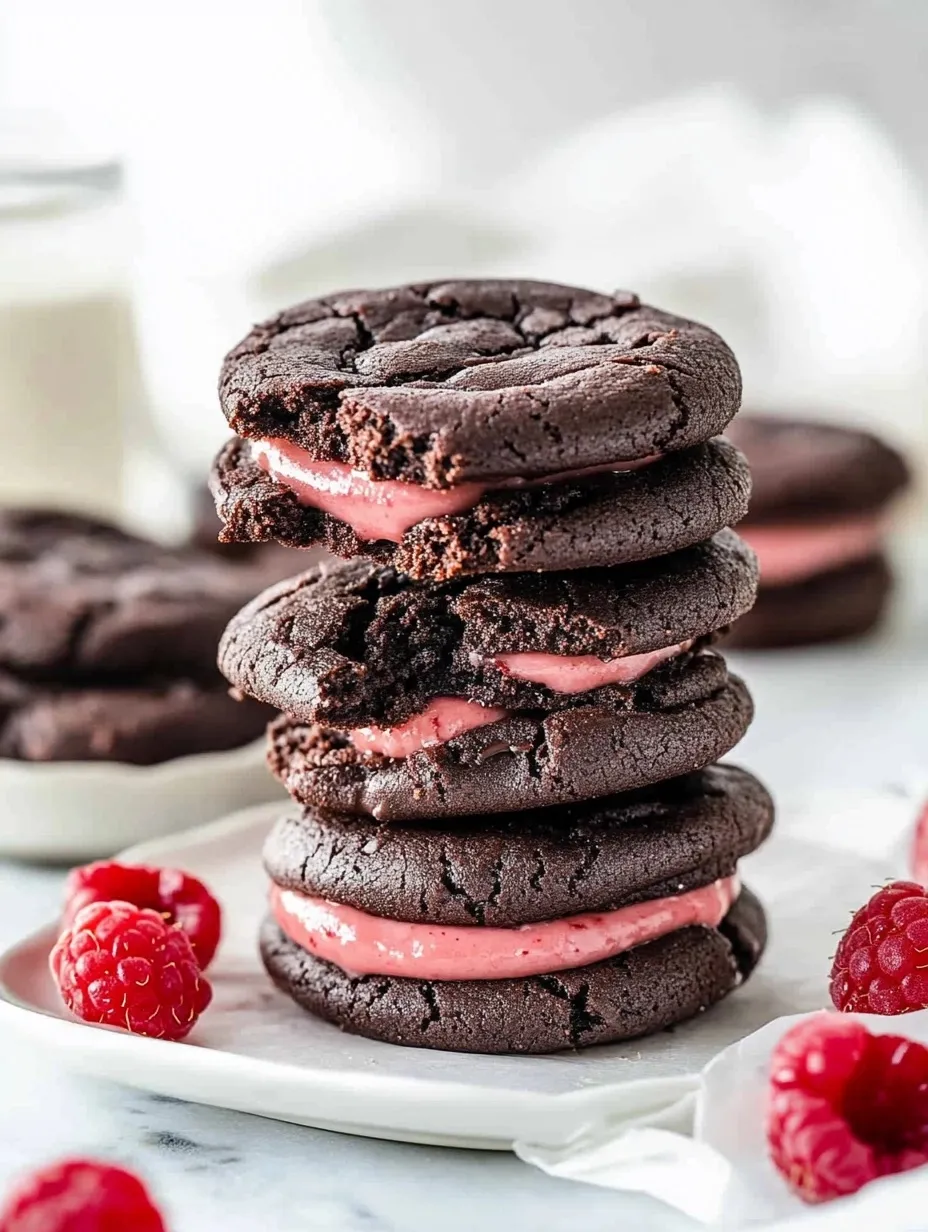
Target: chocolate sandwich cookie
<point x="361" y="645"/>
<point x="474" y="427"/>
<point x="607" y="518"/>
<point x="141" y="725"/>
<point x="508" y="869"/>
<point x="818" y="520"/>
<point x="81" y="600"/>
<point x="681" y="716"/>
<point x="555" y="929"/>
<point x="639" y="992"/>
<point x="439" y="384"/>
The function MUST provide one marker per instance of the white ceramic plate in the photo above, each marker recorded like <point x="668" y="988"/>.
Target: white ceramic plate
<point x="82" y="810"/>
<point x="255" y="1051"/>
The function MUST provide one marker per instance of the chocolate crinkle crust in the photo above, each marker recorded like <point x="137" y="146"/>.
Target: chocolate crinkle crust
<point x="82" y="600"/>
<point x="643" y="990"/>
<point x="507" y="869"/>
<point x="362" y="645"/>
<point x="606" y="519"/>
<point x="439" y="383"/>
<point x="680" y="717"/>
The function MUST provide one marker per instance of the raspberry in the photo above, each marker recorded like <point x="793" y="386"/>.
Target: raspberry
<point x="80" y="1195"/>
<point x="881" y="965"/>
<point x="125" y="966"/>
<point x="920" y="848"/>
<point x="845" y="1106"/>
<point x="180" y="898"/>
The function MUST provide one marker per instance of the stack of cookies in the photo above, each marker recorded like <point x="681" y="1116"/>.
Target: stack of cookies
<point x="500" y="721"/>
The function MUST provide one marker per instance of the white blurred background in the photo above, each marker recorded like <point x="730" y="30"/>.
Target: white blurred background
<point x="760" y="166"/>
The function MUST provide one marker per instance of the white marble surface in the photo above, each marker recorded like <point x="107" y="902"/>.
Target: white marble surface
<point x="840" y="717"/>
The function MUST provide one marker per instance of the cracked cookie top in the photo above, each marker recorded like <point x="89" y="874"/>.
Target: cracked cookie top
<point x="503" y="870"/>
<point x="442" y="383"/>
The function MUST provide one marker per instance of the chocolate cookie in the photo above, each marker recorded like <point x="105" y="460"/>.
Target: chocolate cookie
<point x="361" y="644"/>
<point x="828" y="607"/>
<point x="604" y="519"/>
<point x="636" y="993"/>
<point x="138" y="724"/>
<point x="678" y="718"/>
<point x="805" y="470"/>
<point x="511" y="869"/>
<point x="81" y="600"/>
<point x="441" y="383"/>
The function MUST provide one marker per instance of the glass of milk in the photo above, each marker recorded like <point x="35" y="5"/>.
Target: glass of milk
<point x="69" y="376"/>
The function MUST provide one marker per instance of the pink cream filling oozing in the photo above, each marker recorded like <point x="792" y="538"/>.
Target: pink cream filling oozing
<point x="578" y="673"/>
<point x="441" y="720"/>
<point x="386" y="508"/>
<point x="447" y="717"/>
<point x="363" y="944"/>
<point x="789" y="554"/>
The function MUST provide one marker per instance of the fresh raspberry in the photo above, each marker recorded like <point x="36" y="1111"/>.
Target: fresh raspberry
<point x="180" y="898"/>
<point x="920" y="848"/>
<point x="126" y="966"/>
<point x="80" y="1195"/>
<point x="881" y="965"/>
<point x="845" y="1106"/>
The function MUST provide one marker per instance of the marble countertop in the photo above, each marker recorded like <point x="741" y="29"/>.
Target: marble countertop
<point x="839" y="717"/>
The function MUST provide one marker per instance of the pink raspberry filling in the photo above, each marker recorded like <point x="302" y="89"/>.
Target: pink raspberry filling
<point x="364" y="944"/>
<point x="578" y="673"/>
<point x="441" y="720"/>
<point x="790" y="554"/>
<point x="384" y="508"/>
<point x="447" y="717"/>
